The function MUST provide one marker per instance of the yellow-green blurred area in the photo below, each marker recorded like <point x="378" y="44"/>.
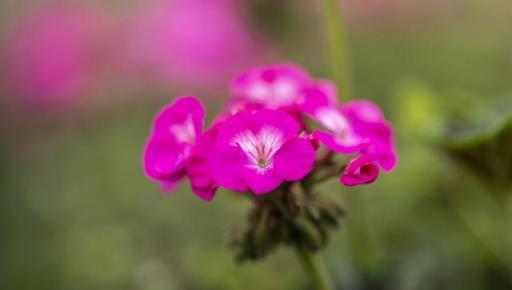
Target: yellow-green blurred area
<point x="76" y="211"/>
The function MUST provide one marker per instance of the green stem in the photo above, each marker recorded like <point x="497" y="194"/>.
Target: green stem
<point x="333" y="173"/>
<point x="337" y="48"/>
<point x="314" y="269"/>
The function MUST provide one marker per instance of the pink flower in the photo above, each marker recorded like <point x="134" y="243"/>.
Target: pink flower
<point x="199" y="167"/>
<point x="369" y="121"/>
<point x="176" y="131"/>
<point x="259" y="150"/>
<point x="341" y="136"/>
<point x="273" y="87"/>
<point x="53" y="54"/>
<point x="360" y="170"/>
<point x="191" y="43"/>
<point x="320" y="93"/>
<point x="252" y="147"/>
<point x="357" y="126"/>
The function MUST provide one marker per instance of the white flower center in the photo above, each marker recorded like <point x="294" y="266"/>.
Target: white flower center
<point x="259" y="91"/>
<point x="282" y="91"/>
<point x="285" y="90"/>
<point x="333" y="120"/>
<point x="259" y="148"/>
<point x="185" y="132"/>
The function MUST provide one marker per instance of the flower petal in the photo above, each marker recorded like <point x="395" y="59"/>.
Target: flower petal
<point x="162" y="158"/>
<point x="254" y="121"/>
<point x="180" y="112"/>
<point x="227" y="165"/>
<point x="261" y="182"/>
<point x="169" y="184"/>
<point x="322" y="94"/>
<point x="385" y="152"/>
<point x="380" y="135"/>
<point x="361" y="170"/>
<point x="363" y="110"/>
<point x="284" y="123"/>
<point x="295" y="159"/>
<point x="169" y="146"/>
<point x="199" y="168"/>
<point x="347" y="145"/>
<point x="206" y="193"/>
<point x="274" y="87"/>
<point x="231" y="127"/>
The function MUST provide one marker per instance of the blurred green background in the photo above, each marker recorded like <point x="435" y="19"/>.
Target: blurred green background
<point x="76" y="211"/>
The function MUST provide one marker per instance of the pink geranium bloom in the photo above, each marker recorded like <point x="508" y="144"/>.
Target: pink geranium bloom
<point x="199" y="167"/>
<point x="320" y="93"/>
<point x="368" y="121"/>
<point x="341" y="136"/>
<point x="52" y="54"/>
<point x="320" y="103"/>
<point x="176" y="130"/>
<point x="273" y="87"/>
<point x="357" y="126"/>
<point x="250" y="147"/>
<point x="259" y="150"/>
<point x="361" y="170"/>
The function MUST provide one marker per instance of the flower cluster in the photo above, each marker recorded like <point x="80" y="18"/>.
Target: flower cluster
<point x="281" y="126"/>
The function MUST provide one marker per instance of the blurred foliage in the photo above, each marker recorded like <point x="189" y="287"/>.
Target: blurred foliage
<point x="77" y="213"/>
<point x="488" y="153"/>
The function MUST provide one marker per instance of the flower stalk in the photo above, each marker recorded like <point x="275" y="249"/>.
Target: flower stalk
<point x="291" y="216"/>
<point x="314" y="269"/>
<point x="338" y="51"/>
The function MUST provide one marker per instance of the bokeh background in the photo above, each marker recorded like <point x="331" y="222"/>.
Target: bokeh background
<point x="80" y="82"/>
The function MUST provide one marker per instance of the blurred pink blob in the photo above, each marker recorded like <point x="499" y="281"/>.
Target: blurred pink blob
<point x="191" y="43"/>
<point x="52" y="54"/>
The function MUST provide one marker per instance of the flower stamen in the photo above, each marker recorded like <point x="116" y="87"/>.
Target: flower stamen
<point x="259" y="148"/>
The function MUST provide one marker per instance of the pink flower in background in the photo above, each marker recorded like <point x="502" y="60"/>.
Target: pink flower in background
<point x="259" y="150"/>
<point x="199" y="43"/>
<point x="52" y="54"/>
<point x="360" y="170"/>
<point x="176" y="130"/>
<point x="272" y="87"/>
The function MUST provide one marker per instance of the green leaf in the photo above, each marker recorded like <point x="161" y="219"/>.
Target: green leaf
<point x="487" y="151"/>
